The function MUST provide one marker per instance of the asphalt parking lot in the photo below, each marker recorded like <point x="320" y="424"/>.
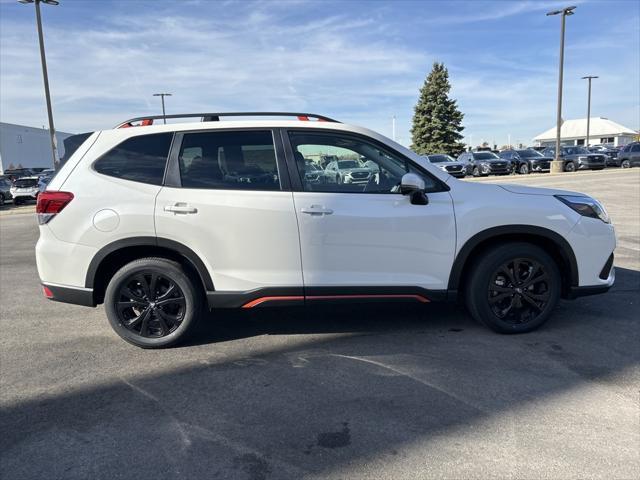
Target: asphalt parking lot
<point x="396" y="392"/>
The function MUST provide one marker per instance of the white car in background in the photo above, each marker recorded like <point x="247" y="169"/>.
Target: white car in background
<point x="23" y="189"/>
<point x="159" y="221"/>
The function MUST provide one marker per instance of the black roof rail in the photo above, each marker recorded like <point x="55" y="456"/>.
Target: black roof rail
<point x="215" y="117"/>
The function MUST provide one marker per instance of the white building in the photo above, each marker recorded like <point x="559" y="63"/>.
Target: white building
<point x="22" y="146"/>
<point x="601" y="130"/>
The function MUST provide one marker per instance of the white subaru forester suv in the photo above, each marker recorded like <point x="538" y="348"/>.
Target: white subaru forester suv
<point x="159" y="221"/>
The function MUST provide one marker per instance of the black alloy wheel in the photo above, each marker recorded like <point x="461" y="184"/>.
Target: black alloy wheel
<point x="152" y="302"/>
<point x="570" y="167"/>
<point x="513" y="287"/>
<point x="519" y="290"/>
<point x="150" y="305"/>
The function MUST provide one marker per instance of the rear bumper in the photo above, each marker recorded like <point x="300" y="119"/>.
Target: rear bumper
<point x="66" y="294"/>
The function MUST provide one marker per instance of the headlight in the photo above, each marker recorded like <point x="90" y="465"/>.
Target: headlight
<point x="586" y="206"/>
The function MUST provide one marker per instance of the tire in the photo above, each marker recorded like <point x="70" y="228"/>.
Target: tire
<point x="625" y="164"/>
<point x="146" y="324"/>
<point x="338" y="179"/>
<point x="570" y="167"/>
<point x="476" y="172"/>
<point x="495" y="275"/>
<point x="18" y="201"/>
<point x="523" y="169"/>
<point x="1" y="199"/>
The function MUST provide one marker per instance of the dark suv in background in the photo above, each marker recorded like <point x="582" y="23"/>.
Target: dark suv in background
<point x="577" y="158"/>
<point x="629" y="156"/>
<point x="527" y="161"/>
<point x="481" y="164"/>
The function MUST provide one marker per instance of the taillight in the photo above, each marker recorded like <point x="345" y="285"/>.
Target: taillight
<point x="51" y="203"/>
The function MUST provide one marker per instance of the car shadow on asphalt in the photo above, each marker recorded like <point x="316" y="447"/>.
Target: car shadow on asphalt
<point x="385" y="383"/>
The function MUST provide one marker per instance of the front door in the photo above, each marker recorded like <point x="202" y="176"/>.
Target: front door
<point x="356" y="229"/>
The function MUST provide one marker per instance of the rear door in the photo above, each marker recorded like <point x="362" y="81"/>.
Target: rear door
<point x="226" y="198"/>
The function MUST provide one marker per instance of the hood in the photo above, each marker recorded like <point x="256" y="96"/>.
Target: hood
<point x="444" y="164"/>
<point x="357" y="169"/>
<point x="524" y="190"/>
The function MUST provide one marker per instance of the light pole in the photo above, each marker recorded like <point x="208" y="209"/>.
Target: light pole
<point x="588" y="77"/>
<point x="45" y="76"/>
<point x="557" y="164"/>
<point x="162" y="95"/>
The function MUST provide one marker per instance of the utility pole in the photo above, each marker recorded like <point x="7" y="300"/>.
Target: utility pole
<point x="588" y="77"/>
<point x="162" y="95"/>
<point x="557" y="166"/>
<point x="45" y="76"/>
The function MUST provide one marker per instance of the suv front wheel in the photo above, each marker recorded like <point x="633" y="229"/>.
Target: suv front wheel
<point x="152" y="303"/>
<point x="513" y="288"/>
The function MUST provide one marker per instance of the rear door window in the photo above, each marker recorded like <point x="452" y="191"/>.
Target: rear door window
<point x="238" y="160"/>
<point x="140" y="159"/>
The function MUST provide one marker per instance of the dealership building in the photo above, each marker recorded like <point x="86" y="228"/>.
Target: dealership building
<point x="601" y="130"/>
<point x="22" y="146"/>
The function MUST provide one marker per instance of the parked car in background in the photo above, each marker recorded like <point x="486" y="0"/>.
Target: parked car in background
<point x="448" y="164"/>
<point x="348" y="171"/>
<point x="481" y="164"/>
<point x="45" y="172"/>
<point x="610" y="154"/>
<point x="537" y="148"/>
<point x="24" y="189"/>
<point x="577" y="158"/>
<point x="5" y="189"/>
<point x="629" y="156"/>
<point x="527" y="161"/>
<point x="15" y="173"/>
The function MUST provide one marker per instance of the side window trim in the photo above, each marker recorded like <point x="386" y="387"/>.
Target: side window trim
<point x="443" y="187"/>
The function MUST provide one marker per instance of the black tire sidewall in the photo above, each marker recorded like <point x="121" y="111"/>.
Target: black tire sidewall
<point x="167" y="269"/>
<point x="483" y="270"/>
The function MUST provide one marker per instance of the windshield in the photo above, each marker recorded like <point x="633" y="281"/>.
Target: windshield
<point x="485" y="156"/>
<point x="26" y="182"/>
<point x="529" y="153"/>
<point x="440" y="158"/>
<point x="348" y="164"/>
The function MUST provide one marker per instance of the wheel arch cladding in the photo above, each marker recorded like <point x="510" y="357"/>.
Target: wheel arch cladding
<point x="110" y="258"/>
<point x="552" y="242"/>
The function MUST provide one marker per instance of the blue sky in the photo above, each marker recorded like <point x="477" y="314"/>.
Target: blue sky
<point x="360" y="62"/>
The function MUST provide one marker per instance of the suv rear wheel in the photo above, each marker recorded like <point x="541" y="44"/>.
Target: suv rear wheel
<point x="152" y="303"/>
<point x="513" y="288"/>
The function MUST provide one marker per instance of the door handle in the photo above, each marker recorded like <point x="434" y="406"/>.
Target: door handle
<point x="180" y="208"/>
<point x="316" y="210"/>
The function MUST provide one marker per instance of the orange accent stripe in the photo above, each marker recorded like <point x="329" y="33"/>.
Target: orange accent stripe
<point x="261" y="300"/>
<point x="419" y="298"/>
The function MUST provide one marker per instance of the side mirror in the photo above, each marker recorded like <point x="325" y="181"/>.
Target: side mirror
<point x="413" y="185"/>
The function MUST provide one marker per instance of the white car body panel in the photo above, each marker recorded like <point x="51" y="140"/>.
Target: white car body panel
<point x="247" y="239"/>
<point x="376" y="239"/>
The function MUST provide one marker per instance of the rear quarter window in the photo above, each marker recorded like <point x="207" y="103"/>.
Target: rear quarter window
<point x="140" y="159"/>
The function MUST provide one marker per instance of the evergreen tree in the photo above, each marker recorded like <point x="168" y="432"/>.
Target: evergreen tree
<point x="437" y="122"/>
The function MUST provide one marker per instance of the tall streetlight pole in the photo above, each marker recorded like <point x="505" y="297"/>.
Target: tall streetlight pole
<point x="557" y="165"/>
<point x="588" y="77"/>
<point x="162" y="95"/>
<point x="45" y="76"/>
